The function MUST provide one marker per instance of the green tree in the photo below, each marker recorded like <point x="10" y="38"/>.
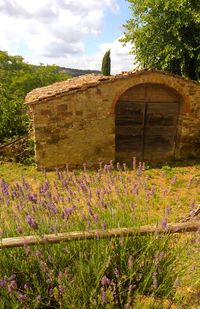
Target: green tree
<point x="105" y="67"/>
<point x="165" y="34"/>
<point x="17" y="78"/>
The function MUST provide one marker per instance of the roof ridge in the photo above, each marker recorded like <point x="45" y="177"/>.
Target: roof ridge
<point x="83" y="82"/>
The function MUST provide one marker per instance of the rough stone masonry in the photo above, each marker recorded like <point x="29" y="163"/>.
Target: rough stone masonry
<point x="150" y="114"/>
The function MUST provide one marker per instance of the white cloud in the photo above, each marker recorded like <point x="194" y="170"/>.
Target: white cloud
<point x="53" y="31"/>
<point x="13" y="9"/>
<point x="61" y="48"/>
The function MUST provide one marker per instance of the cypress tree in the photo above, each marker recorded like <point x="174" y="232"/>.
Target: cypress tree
<point x="105" y="67"/>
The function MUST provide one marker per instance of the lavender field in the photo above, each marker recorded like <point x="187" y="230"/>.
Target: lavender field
<point x="134" y="272"/>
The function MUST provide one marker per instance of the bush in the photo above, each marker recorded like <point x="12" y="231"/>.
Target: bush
<point x="17" y="78"/>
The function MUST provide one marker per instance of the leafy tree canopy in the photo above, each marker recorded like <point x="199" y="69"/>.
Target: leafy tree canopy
<point x="17" y="78"/>
<point x="165" y="34"/>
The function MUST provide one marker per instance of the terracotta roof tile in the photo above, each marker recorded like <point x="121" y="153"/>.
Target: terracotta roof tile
<point x="68" y="85"/>
<point x="80" y="83"/>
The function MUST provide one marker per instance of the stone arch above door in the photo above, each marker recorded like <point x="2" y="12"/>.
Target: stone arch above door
<point x="156" y="77"/>
<point x="146" y="122"/>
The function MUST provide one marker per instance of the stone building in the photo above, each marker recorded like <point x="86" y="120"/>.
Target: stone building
<point x="149" y="114"/>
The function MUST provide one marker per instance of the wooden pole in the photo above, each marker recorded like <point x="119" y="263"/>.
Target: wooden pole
<point x="99" y="234"/>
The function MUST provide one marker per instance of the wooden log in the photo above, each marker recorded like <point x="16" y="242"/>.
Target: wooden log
<point x="99" y="234"/>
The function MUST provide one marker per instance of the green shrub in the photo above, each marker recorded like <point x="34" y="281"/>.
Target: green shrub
<point x="17" y="78"/>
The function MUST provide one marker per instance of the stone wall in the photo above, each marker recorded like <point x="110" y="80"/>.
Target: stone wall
<point x="79" y="126"/>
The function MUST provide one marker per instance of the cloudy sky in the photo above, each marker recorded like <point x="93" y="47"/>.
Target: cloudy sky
<point x="70" y="33"/>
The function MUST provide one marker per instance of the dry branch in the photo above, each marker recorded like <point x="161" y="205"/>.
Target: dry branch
<point x="99" y="234"/>
<point x="13" y="142"/>
<point x="193" y="213"/>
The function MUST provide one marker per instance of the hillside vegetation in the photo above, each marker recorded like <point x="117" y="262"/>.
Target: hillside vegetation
<point x="78" y="72"/>
<point x="17" y="78"/>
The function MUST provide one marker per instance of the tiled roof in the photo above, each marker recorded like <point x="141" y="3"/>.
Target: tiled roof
<point x="79" y="84"/>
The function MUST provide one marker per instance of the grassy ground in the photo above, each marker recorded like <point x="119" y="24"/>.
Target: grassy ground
<point x="36" y="202"/>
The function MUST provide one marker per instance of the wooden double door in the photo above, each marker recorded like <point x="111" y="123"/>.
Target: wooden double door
<point x="146" y="123"/>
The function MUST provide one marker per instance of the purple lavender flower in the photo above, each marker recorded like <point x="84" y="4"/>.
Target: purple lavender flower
<point x="25" y="184"/>
<point x="38" y="254"/>
<point x="91" y="212"/>
<point x="105" y="281"/>
<point x="164" y="223"/>
<point x="59" y="175"/>
<point x="192" y="205"/>
<point x="104" y="205"/>
<point x="132" y="287"/>
<point x="105" y="168"/>
<point x="45" y="187"/>
<point x="134" y="163"/>
<point x="135" y="189"/>
<point x="32" y="222"/>
<point x="51" y="207"/>
<point x="32" y="198"/>
<point x="174" y="179"/>
<point x="12" y="277"/>
<point x="193" y="267"/>
<point x="84" y="166"/>
<point x="60" y="275"/>
<point x="124" y="166"/>
<point x="111" y="164"/>
<point x="68" y="211"/>
<point x="4" y="188"/>
<point x="130" y="262"/>
<point x="26" y="286"/>
<point x="67" y="167"/>
<point x="20" y="296"/>
<point x="118" y="166"/>
<point x="95" y="218"/>
<point x="61" y="289"/>
<point x="14" y="194"/>
<point x="116" y="272"/>
<point x="104" y="226"/>
<point x="198" y="294"/>
<point x="168" y="210"/>
<point x="139" y="169"/>
<point x="3" y="282"/>
<point x="158" y="257"/>
<point x="100" y="166"/>
<point x="98" y="192"/>
<point x="103" y="296"/>
<point x="12" y="286"/>
<point x="83" y="187"/>
<point x="49" y="258"/>
<point x="190" y="182"/>
<point x="155" y="280"/>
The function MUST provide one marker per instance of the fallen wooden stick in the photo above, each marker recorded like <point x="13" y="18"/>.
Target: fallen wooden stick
<point x="99" y="234"/>
<point x="13" y="142"/>
<point x="193" y="213"/>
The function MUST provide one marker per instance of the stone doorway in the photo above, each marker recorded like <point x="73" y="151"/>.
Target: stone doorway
<point x="146" y="123"/>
